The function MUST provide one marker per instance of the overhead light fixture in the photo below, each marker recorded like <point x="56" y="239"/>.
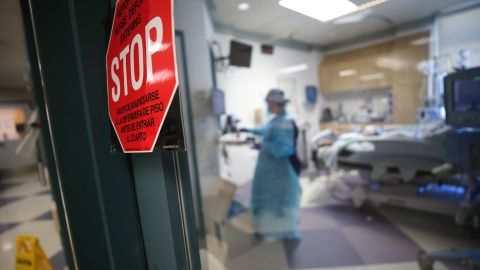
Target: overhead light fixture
<point x="371" y="4"/>
<point x="323" y="10"/>
<point x="243" y="6"/>
<point x="354" y="17"/>
<point x="347" y="72"/>
<point x="293" y="69"/>
<point x="327" y="10"/>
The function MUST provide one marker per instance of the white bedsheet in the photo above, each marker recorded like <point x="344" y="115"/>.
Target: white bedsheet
<point x="329" y="153"/>
<point x="429" y="133"/>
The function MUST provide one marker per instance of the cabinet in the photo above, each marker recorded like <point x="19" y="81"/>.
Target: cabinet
<point x="355" y="70"/>
<point x="389" y="65"/>
<point x="375" y="70"/>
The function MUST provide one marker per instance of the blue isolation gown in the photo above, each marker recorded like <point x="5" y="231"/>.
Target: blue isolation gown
<point x="276" y="190"/>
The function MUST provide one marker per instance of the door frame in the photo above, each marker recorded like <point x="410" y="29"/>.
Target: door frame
<point x="120" y="211"/>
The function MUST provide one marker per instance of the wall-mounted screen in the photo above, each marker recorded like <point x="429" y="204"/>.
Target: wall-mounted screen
<point x="240" y="54"/>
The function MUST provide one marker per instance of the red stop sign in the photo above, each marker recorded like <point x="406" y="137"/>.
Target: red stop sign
<point x="141" y="71"/>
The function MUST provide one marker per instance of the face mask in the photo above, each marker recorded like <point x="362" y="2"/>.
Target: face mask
<point x="268" y="112"/>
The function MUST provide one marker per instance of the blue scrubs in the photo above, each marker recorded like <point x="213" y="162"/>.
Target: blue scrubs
<point x="276" y="190"/>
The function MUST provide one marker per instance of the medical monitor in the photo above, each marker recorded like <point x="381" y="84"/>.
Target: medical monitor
<point x="462" y="98"/>
<point x="240" y="54"/>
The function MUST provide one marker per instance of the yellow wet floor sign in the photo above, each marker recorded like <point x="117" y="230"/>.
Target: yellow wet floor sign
<point x="30" y="255"/>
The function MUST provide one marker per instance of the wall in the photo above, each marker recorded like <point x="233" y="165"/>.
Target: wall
<point x="354" y="104"/>
<point x="16" y="112"/>
<point x="191" y="17"/>
<point x="460" y="31"/>
<point x="13" y="117"/>
<point x="246" y="88"/>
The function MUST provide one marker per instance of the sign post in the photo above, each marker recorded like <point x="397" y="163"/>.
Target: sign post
<point x="141" y="71"/>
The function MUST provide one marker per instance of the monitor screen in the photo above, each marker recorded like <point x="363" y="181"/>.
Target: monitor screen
<point x="240" y="54"/>
<point x="466" y="96"/>
<point x="462" y="98"/>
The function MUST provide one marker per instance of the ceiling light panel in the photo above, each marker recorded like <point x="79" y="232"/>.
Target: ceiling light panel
<point x="371" y="4"/>
<point x="323" y="10"/>
<point x="243" y="6"/>
<point x="327" y="10"/>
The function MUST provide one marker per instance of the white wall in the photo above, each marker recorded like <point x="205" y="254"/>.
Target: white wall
<point x="460" y="31"/>
<point x="246" y="88"/>
<point x="10" y="115"/>
<point x="191" y="17"/>
<point x="355" y="104"/>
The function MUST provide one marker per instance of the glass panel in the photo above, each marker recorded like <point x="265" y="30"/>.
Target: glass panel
<point x="380" y="174"/>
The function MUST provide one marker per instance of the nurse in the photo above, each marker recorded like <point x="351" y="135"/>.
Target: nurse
<point x="276" y="190"/>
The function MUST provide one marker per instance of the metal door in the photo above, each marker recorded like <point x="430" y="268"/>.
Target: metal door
<point x="120" y="211"/>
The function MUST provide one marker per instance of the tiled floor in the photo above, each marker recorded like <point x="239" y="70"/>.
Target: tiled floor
<point x="337" y="236"/>
<point x="25" y="210"/>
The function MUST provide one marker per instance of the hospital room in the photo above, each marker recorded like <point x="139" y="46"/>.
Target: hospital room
<point x="339" y="135"/>
<point x="282" y="134"/>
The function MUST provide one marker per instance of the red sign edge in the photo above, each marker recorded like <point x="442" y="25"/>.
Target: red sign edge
<point x="171" y="97"/>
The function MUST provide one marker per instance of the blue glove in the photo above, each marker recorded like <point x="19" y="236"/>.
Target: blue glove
<point x="257" y="146"/>
<point x="244" y="130"/>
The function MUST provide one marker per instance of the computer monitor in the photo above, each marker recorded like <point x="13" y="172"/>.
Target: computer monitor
<point x="240" y="54"/>
<point x="462" y="98"/>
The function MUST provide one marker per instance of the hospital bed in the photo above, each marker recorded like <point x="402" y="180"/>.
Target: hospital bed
<point x="400" y="152"/>
<point x="402" y="158"/>
<point x="396" y="167"/>
<point x="407" y="166"/>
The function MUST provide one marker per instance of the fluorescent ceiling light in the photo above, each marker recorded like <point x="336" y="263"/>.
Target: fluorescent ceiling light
<point x="323" y="10"/>
<point x="294" y="69"/>
<point x="354" y="17"/>
<point x="371" y="4"/>
<point x="243" y="6"/>
<point x="371" y="77"/>
<point x="347" y="72"/>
